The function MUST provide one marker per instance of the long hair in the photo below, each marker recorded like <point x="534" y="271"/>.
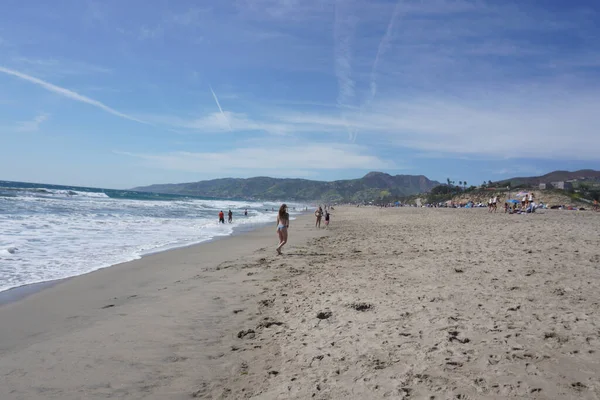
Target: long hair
<point x="282" y="213"/>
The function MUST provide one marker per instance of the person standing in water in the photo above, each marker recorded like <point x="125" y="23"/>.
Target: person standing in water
<point x="283" y="223"/>
<point x="221" y="217"/>
<point x="245" y="212"/>
<point x="230" y="217"/>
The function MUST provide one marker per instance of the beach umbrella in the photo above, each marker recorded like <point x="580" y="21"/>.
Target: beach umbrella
<point x="522" y="194"/>
<point x="513" y="201"/>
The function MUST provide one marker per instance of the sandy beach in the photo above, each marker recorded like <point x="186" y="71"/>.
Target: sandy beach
<point x="388" y="303"/>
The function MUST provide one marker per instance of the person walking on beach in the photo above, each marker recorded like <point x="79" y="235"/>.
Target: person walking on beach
<point x="495" y="203"/>
<point x="318" y="214"/>
<point x="327" y="219"/>
<point x="221" y="217"/>
<point x="283" y="223"/>
<point x="230" y="217"/>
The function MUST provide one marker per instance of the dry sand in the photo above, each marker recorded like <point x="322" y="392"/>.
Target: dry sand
<point x="388" y="303"/>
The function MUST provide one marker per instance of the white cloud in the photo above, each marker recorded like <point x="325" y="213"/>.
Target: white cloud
<point x="286" y="160"/>
<point x="32" y="125"/>
<point x="218" y="122"/>
<point x="68" y="93"/>
<point x="532" y="121"/>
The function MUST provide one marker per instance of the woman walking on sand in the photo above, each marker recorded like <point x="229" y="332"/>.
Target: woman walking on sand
<point x="318" y="214"/>
<point x="283" y="223"/>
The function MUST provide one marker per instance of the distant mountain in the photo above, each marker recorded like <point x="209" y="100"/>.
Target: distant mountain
<point x="555" y="176"/>
<point x="373" y="186"/>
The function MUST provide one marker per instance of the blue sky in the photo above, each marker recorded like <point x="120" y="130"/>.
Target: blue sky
<point x="126" y="93"/>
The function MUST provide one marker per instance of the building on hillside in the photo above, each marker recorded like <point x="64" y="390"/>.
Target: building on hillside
<point x="544" y="186"/>
<point x="562" y="185"/>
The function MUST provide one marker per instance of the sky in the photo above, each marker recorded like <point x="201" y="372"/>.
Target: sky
<point x="120" y="94"/>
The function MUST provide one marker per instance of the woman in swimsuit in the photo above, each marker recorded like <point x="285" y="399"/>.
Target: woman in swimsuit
<point x="318" y="214"/>
<point x="283" y="223"/>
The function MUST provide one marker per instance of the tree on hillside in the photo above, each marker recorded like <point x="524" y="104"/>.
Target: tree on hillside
<point x="460" y="183"/>
<point x="448" y="180"/>
<point x="465" y="184"/>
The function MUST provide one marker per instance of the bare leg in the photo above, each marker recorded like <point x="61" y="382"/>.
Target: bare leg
<point x="282" y="239"/>
<point x="280" y="235"/>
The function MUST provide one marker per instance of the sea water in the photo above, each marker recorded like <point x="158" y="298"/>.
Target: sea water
<point x="50" y="232"/>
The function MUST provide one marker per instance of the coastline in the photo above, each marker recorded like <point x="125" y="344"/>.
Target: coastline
<point x="387" y="303"/>
<point x="20" y="292"/>
<point x="166" y="309"/>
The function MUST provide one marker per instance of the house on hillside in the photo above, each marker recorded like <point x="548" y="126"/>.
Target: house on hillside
<point x="562" y="185"/>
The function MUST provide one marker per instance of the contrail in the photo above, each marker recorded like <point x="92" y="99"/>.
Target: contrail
<point x="343" y="28"/>
<point x="69" y="94"/>
<point x="220" y="109"/>
<point x="384" y="44"/>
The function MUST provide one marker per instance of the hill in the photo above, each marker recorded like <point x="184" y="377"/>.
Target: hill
<point x="581" y="175"/>
<point x="372" y="187"/>
<point x="549" y="197"/>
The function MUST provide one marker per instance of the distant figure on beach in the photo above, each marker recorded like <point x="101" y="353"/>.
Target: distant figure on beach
<point x="490" y="200"/>
<point x="318" y="214"/>
<point x="230" y="217"/>
<point x="221" y="217"/>
<point x="246" y="212"/>
<point x="529" y="199"/>
<point x="326" y="219"/>
<point x="505" y="207"/>
<point x="495" y="203"/>
<point x="283" y="223"/>
<point x="596" y="205"/>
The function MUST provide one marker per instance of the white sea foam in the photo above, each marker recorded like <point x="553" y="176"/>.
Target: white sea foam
<point x="63" y="235"/>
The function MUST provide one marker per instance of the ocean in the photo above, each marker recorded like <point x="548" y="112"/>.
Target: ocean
<point x="50" y="232"/>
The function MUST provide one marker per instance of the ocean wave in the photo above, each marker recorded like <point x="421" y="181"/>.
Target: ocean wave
<point x="8" y="252"/>
<point x="51" y="237"/>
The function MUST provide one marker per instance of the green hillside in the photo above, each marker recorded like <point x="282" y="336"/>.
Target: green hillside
<point x="371" y="187"/>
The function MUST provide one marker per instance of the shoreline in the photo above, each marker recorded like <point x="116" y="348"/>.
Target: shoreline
<point x="20" y="292"/>
<point x="386" y="303"/>
<point x="105" y="333"/>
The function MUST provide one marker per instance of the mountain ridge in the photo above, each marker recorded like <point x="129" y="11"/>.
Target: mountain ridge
<point x="371" y="187"/>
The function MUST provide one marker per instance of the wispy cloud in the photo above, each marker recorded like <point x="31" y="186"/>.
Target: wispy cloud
<point x="253" y="160"/>
<point x="32" y="125"/>
<point x="343" y="31"/>
<point x="220" y="109"/>
<point x="56" y="67"/>
<point x="68" y="94"/>
<point x="146" y="32"/>
<point x="517" y="122"/>
<point x="221" y="122"/>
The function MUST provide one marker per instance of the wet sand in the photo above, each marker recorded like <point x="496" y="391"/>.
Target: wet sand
<point x="388" y="303"/>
